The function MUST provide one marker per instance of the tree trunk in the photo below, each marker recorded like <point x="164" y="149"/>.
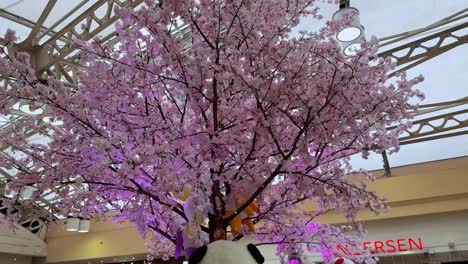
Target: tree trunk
<point x="216" y="227"/>
<point x="211" y="226"/>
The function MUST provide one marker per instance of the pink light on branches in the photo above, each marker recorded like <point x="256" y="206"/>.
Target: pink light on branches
<point x="295" y="261"/>
<point x="172" y="133"/>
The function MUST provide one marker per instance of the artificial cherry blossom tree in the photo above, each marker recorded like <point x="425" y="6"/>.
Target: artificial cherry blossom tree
<point x="206" y="113"/>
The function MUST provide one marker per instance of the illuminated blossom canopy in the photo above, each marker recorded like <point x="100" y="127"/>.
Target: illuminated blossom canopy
<point x="205" y="110"/>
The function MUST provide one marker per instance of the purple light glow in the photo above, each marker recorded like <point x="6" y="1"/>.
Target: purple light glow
<point x="295" y="261"/>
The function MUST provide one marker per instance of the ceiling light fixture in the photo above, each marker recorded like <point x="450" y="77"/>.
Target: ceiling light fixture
<point x="351" y="49"/>
<point x="84" y="226"/>
<point x="73" y="224"/>
<point x="52" y="121"/>
<point x="351" y="35"/>
<point x="30" y="109"/>
<point x="353" y="30"/>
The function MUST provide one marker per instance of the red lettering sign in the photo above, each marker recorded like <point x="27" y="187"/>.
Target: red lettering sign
<point x="401" y="244"/>
<point x="379" y="245"/>
<point x="412" y="242"/>
<point x="387" y="246"/>
<point x="366" y="245"/>
<point x="391" y="244"/>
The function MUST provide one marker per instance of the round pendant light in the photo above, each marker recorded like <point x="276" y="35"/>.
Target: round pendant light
<point x="27" y="109"/>
<point x="52" y="121"/>
<point x="353" y="29"/>
<point x="351" y="35"/>
<point x="84" y="226"/>
<point x="351" y="49"/>
<point x="73" y="224"/>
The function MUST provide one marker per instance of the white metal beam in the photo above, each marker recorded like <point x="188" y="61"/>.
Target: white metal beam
<point x="31" y="39"/>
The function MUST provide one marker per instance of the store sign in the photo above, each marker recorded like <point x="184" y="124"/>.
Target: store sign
<point x="388" y="246"/>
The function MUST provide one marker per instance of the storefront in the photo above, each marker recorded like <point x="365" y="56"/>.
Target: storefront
<point x="440" y="238"/>
<point x="430" y="239"/>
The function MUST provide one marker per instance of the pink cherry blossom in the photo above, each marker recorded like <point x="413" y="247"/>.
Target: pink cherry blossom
<point x="219" y="96"/>
<point x="10" y="36"/>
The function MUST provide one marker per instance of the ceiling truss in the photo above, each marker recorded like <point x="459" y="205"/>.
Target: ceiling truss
<point x="416" y="52"/>
<point x="93" y="25"/>
<point x="434" y="40"/>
